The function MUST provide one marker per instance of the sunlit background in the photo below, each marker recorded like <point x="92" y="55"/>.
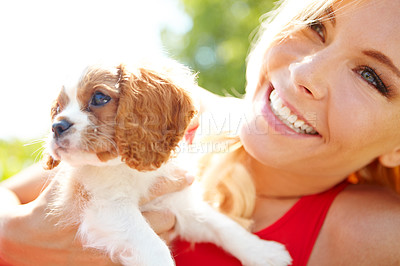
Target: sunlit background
<point x="46" y="43"/>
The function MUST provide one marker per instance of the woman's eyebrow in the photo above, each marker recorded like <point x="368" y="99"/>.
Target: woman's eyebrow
<point x="330" y="15"/>
<point x="383" y="59"/>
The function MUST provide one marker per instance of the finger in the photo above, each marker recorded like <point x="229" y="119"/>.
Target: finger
<point x="161" y="221"/>
<point x="166" y="185"/>
<point x="168" y="236"/>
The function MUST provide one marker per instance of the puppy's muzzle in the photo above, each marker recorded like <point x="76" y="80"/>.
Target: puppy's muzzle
<point x="60" y="127"/>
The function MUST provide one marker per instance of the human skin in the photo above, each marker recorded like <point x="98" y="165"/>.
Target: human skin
<point x="334" y="71"/>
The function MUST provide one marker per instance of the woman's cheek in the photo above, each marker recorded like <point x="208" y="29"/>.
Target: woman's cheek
<point x="292" y="49"/>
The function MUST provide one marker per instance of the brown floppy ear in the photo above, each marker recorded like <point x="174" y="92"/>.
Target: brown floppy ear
<point x="152" y="117"/>
<point x="49" y="162"/>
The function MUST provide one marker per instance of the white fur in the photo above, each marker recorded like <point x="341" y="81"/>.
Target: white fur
<point x="103" y="199"/>
<point x="111" y="220"/>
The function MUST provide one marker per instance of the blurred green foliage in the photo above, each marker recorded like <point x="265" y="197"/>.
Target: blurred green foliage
<point x="218" y="42"/>
<point x="15" y="155"/>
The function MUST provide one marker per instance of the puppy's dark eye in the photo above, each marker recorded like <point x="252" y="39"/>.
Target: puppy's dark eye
<point x="99" y="99"/>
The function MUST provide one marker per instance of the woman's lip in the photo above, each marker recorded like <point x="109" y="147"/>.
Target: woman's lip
<point x="275" y="122"/>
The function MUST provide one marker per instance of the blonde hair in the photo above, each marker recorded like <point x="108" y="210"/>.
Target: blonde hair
<point x="376" y="173"/>
<point x="288" y="16"/>
<point x="227" y="182"/>
<point x="228" y="185"/>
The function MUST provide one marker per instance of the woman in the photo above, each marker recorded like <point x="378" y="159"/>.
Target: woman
<point x="323" y="85"/>
<point x="322" y="105"/>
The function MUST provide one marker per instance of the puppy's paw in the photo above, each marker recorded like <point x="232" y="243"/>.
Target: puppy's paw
<point x="148" y="257"/>
<point x="267" y="253"/>
<point x="150" y="252"/>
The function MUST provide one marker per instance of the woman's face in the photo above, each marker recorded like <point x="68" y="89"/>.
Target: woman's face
<point x="328" y="97"/>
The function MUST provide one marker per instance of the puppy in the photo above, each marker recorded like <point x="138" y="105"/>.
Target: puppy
<point x="116" y="133"/>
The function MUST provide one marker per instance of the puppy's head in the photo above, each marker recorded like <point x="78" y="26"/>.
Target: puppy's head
<point x="138" y="114"/>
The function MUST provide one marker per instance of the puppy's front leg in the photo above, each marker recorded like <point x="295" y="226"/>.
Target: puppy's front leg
<point x="199" y="222"/>
<point x="124" y="234"/>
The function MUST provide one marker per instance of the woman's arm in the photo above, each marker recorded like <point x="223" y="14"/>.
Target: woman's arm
<point x="29" y="183"/>
<point x="29" y="236"/>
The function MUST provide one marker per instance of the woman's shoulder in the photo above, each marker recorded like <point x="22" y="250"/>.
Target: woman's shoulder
<point x="368" y="202"/>
<point x="363" y="225"/>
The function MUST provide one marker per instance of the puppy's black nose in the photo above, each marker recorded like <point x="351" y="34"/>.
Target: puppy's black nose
<point x="60" y="127"/>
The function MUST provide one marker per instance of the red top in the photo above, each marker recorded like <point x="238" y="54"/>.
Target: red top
<point x="297" y="230"/>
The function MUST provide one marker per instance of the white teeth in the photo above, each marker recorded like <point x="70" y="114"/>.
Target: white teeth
<point x="303" y="127"/>
<point x="299" y="123"/>
<point x="284" y="112"/>
<point x="286" y="116"/>
<point x="292" y="118"/>
<point x="277" y="104"/>
<point x="274" y="95"/>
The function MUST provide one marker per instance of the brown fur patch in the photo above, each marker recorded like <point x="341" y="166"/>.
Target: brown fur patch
<point x="49" y="162"/>
<point x="107" y="155"/>
<point x="99" y="136"/>
<point x="59" y="104"/>
<point x="82" y="195"/>
<point x="153" y="115"/>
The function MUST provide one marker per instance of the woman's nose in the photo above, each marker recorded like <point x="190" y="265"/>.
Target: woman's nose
<point x="310" y="74"/>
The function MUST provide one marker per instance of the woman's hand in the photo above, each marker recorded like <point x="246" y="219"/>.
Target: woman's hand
<point x="163" y="222"/>
<point x="29" y="235"/>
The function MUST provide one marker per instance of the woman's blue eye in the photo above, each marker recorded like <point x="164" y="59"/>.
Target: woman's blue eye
<point x="370" y="76"/>
<point x="319" y="28"/>
<point x="99" y="99"/>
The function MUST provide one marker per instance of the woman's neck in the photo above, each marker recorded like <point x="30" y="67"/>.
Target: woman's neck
<point x="278" y="183"/>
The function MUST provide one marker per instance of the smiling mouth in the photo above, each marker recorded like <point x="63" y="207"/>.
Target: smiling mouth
<point x="287" y="116"/>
